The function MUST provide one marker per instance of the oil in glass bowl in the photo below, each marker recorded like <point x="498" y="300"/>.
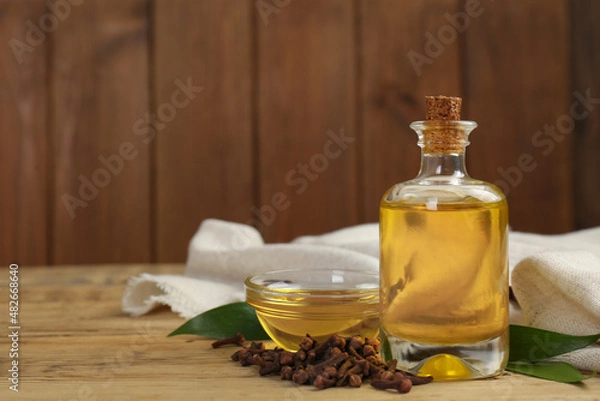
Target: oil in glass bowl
<point x="291" y="303"/>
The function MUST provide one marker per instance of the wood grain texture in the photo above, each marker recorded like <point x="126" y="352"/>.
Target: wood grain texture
<point x="394" y="82"/>
<point x="204" y="160"/>
<point x="77" y="344"/>
<point x="278" y="79"/>
<point x="306" y="98"/>
<point x="585" y="52"/>
<point x="516" y="65"/>
<point x="99" y="87"/>
<point x="23" y="141"/>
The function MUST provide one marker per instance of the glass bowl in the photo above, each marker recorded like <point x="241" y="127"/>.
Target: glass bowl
<point x="291" y="303"/>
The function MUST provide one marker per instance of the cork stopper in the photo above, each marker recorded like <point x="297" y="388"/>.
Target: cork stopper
<point x="446" y="108"/>
<point x="443" y="132"/>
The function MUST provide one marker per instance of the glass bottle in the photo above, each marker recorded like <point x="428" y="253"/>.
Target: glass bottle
<point x="443" y="267"/>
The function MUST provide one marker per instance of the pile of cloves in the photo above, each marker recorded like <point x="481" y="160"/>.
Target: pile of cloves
<point x="336" y="362"/>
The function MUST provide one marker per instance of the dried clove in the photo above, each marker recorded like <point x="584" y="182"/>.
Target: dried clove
<point x="337" y="362"/>
<point x="402" y="386"/>
<point x="356" y="342"/>
<point x="301" y="355"/>
<point x="323" y="381"/>
<point x="333" y="351"/>
<point x="286" y="358"/>
<point x="330" y="371"/>
<point x="333" y="361"/>
<point x="257" y="345"/>
<point x="287" y="372"/>
<point x="338" y="341"/>
<point x="311" y="357"/>
<point x="268" y="368"/>
<point x="354" y="381"/>
<point x="307" y="343"/>
<point x="244" y="357"/>
<point x="312" y="372"/>
<point x="375" y="343"/>
<point x="258" y="360"/>
<point x="352" y="371"/>
<point x="368" y="350"/>
<point x="385" y="375"/>
<point x="300" y="376"/>
<point x="418" y="380"/>
<point x="238" y="339"/>
<point x="344" y="368"/>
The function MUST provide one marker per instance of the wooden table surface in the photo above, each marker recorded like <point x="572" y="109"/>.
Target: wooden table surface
<point x="76" y="344"/>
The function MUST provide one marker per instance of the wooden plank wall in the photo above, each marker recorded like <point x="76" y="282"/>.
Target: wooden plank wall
<point x="306" y="97"/>
<point x="24" y="144"/>
<point x="124" y="124"/>
<point x="204" y="156"/>
<point x="513" y="91"/>
<point x="585" y="52"/>
<point x="393" y="89"/>
<point x="99" y="87"/>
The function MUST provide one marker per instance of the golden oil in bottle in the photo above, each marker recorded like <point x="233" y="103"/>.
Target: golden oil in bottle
<point x="443" y="267"/>
<point x="445" y="271"/>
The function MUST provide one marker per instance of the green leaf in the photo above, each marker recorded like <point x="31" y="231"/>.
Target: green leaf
<point x="556" y="371"/>
<point x="225" y="321"/>
<point x="531" y="344"/>
<point x="386" y="349"/>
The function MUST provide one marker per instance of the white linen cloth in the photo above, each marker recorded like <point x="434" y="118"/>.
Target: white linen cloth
<point x="556" y="278"/>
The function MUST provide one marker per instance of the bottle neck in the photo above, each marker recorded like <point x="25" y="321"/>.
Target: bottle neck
<point x="443" y="146"/>
<point x="446" y="164"/>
